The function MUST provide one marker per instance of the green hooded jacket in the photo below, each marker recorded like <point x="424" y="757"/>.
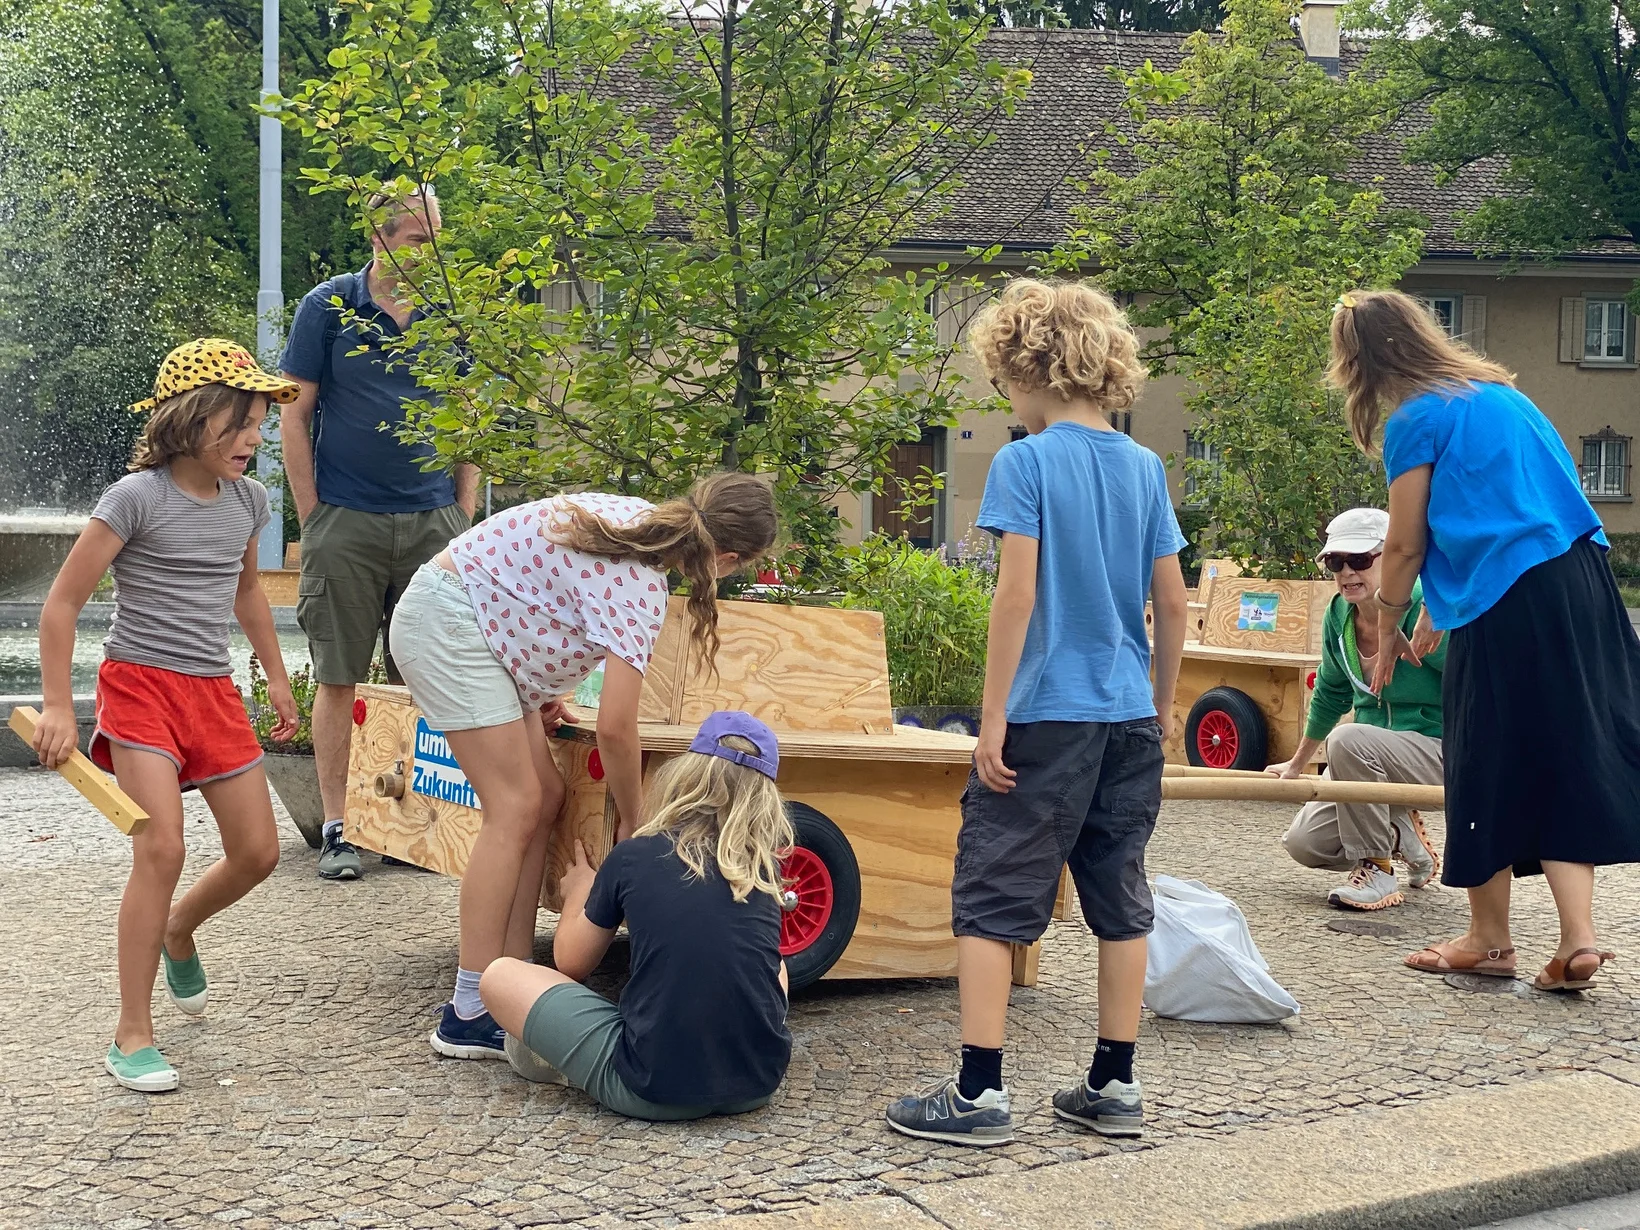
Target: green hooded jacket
<point x="1412" y="701"/>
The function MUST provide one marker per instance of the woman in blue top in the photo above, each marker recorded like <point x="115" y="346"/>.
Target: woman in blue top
<point x="1542" y="685"/>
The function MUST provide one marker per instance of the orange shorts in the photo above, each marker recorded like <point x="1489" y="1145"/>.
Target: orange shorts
<point x="197" y="723"/>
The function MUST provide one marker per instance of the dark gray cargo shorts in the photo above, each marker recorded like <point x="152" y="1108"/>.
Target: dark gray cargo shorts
<point x="1087" y="795"/>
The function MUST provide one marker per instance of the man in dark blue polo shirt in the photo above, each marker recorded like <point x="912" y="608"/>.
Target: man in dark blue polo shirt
<point x="370" y="514"/>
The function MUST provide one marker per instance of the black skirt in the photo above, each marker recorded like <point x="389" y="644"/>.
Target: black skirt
<point x="1542" y="726"/>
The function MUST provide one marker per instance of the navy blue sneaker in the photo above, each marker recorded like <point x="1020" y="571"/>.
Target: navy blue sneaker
<point x="479" y="1038"/>
<point x="941" y="1113"/>
<point x="1116" y="1110"/>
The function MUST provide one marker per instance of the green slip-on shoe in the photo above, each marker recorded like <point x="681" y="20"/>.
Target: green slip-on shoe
<point x="144" y="1070"/>
<point x="185" y="982"/>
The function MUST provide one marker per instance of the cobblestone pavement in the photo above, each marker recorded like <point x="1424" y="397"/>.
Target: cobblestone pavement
<point x="310" y="1096"/>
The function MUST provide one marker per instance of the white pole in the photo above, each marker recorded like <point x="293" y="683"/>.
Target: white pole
<point x="270" y="300"/>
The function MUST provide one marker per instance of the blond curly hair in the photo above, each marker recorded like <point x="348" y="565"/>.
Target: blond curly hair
<point x="1064" y="336"/>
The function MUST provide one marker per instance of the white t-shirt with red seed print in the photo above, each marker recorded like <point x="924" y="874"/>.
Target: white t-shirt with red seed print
<point x="551" y="613"/>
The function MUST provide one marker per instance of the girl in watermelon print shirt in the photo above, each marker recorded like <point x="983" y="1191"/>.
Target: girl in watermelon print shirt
<point x="497" y="631"/>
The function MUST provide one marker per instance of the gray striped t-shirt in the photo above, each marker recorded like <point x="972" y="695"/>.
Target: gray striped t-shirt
<point x="177" y="574"/>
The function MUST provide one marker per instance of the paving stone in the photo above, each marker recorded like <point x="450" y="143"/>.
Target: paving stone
<point x="339" y="1114"/>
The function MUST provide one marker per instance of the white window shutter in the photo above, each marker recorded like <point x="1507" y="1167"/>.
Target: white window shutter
<point x="1474" y="322"/>
<point x="1571" y="329"/>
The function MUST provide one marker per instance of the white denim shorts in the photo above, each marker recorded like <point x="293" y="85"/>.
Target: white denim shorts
<point x="453" y="675"/>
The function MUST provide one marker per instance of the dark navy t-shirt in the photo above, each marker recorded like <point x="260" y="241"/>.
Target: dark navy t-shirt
<point x="704" y="1016"/>
<point x="356" y="463"/>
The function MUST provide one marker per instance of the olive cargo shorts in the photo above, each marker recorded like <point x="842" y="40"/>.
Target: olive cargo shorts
<point x="354" y="567"/>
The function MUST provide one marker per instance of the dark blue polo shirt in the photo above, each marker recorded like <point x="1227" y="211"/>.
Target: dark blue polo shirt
<point x="356" y="462"/>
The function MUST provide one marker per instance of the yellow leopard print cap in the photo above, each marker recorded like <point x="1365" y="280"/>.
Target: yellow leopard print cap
<point x="214" y="360"/>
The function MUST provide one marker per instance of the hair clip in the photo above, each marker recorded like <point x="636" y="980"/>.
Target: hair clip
<point x="1347" y="300"/>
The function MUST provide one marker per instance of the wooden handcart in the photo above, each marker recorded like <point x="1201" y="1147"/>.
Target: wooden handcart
<point x="875" y="805"/>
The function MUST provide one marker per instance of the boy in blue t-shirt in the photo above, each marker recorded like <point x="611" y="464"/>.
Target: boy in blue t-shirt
<point x="1069" y="763"/>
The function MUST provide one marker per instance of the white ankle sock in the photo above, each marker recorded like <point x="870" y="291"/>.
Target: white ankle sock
<point x="466" y="999"/>
<point x="332" y="826"/>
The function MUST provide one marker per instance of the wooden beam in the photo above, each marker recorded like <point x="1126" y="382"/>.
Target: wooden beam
<point x="86" y="777"/>
<point x="1261" y="788"/>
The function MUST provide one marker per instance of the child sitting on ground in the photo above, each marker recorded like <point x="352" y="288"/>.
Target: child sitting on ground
<point x="701" y="1026"/>
<point x="1069" y="762"/>
<point x="180" y="532"/>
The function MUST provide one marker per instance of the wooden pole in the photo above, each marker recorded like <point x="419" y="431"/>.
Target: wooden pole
<point x="1190" y="770"/>
<point x="86" y="777"/>
<point x="1259" y="787"/>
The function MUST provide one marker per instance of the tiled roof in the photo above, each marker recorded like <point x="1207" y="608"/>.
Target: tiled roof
<point x="1018" y="191"/>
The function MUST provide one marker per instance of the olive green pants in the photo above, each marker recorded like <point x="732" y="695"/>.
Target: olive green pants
<point x="354" y="567"/>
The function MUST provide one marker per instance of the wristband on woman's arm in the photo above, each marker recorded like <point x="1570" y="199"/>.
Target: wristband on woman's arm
<point x="1378" y="597"/>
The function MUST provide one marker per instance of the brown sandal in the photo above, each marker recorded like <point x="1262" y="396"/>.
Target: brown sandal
<point x="1558" y="976"/>
<point x="1448" y="958"/>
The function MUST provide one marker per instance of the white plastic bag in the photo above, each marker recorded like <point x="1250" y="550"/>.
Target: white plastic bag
<point x="1203" y="964"/>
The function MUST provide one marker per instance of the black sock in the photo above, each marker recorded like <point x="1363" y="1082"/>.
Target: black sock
<point x="981" y="1070"/>
<point x="1112" y="1061"/>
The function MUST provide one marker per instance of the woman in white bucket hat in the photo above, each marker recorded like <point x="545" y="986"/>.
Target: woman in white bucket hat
<point x="1395" y="735"/>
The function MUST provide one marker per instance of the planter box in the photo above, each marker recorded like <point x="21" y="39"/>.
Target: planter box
<point x="295" y="779"/>
<point x="953" y="719"/>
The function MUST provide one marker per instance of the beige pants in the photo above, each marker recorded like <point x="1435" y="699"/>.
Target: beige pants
<point x="1339" y="835"/>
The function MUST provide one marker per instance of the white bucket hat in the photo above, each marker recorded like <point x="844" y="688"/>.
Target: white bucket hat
<point x="1356" y="532"/>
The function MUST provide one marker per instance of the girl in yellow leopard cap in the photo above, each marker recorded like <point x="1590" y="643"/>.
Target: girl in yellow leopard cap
<point x="180" y="534"/>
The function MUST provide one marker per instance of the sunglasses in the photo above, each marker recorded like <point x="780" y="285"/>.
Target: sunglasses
<point x="1001" y="389"/>
<point x="1335" y="561"/>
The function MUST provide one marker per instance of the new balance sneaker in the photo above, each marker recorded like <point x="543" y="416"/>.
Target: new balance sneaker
<point x="1413" y="847"/>
<point x="185" y="982"/>
<point x="941" y="1113"/>
<point x="478" y="1038"/>
<point x="531" y="1066"/>
<point x="144" y="1069"/>
<point x="1368" y="888"/>
<point x="338" y="860"/>
<point x="1116" y="1110"/>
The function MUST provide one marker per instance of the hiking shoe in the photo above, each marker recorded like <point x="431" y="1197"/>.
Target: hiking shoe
<point x="1368" y="888"/>
<point x="1116" y="1110"/>
<point x="185" y="982"/>
<point x="144" y="1069"/>
<point x="1413" y="847"/>
<point x="941" y="1113"/>
<point x="479" y="1038"/>
<point x="338" y="860"/>
<point x="531" y="1066"/>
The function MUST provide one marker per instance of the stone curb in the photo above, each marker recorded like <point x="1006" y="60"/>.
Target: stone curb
<point x="1449" y="1162"/>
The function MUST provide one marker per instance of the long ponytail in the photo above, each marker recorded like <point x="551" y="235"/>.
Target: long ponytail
<point x="727" y="513"/>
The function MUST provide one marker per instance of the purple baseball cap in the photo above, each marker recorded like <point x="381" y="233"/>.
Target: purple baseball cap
<point x="735" y="722"/>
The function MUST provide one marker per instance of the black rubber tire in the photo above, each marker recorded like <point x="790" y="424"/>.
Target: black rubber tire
<point x="816" y="833"/>
<point x="1252" y="733"/>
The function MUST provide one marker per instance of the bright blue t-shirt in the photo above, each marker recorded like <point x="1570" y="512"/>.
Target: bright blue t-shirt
<point x="1097" y="505"/>
<point x="1503" y="495"/>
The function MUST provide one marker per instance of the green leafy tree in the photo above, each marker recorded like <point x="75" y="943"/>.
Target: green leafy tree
<point x="109" y="250"/>
<point x="1552" y="90"/>
<point x="664" y="237"/>
<point x="1222" y="211"/>
<point x="1109" y="14"/>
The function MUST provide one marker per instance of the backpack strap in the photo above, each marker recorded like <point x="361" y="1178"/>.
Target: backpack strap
<point x="342" y="285"/>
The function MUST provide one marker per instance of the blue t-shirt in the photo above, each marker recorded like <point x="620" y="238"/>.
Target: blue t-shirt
<point x="1503" y="495"/>
<point x="1097" y="505"/>
<point x="356" y="463"/>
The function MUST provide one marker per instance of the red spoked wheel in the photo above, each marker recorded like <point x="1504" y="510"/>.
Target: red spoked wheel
<point x="821" y="896"/>
<point x="1217" y="741"/>
<point x="1226" y="730"/>
<point x="806" y="905"/>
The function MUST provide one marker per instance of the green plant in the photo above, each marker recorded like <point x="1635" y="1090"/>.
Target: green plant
<point x="263" y="717"/>
<point x="302" y="689"/>
<point x="935" y="617"/>
<point x="1625" y="556"/>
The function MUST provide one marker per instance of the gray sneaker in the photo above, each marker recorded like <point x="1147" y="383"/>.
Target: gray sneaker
<point x="1413" y="847"/>
<point x="941" y="1113"/>
<point x="1116" y="1110"/>
<point x="338" y="860"/>
<point x="531" y="1066"/>
<point x="1368" y="888"/>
